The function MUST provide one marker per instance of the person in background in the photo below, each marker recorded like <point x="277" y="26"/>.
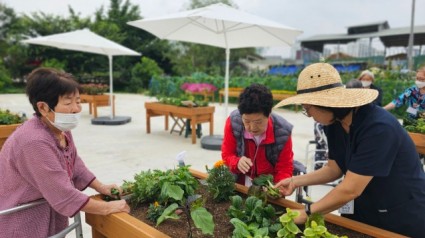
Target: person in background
<point x="40" y="161"/>
<point x="354" y="83"/>
<point x="383" y="182"/>
<point x="257" y="141"/>
<point x="367" y="78"/>
<point x="414" y="97"/>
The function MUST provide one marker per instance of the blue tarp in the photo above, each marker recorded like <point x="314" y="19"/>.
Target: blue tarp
<point x="293" y="69"/>
<point x="285" y="69"/>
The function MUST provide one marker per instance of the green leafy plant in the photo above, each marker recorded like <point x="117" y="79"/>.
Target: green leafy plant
<point x="174" y="190"/>
<point x="412" y="125"/>
<point x="9" y="118"/>
<point x="221" y="182"/>
<point x="255" y="213"/>
<point x="264" y="181"/>
<point x="155" y="210"/>
<point x="313" y="228"/>
<point x="289" y="228"/>
<point x="127" y="187"/>
<point x="182" y="101"/>
<point x="243" y="230"/>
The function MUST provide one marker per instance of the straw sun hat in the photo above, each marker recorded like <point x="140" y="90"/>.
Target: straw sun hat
<point x="320" y="84"/>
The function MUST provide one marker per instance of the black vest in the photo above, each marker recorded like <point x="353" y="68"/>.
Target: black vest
<point x="282" y="130"/>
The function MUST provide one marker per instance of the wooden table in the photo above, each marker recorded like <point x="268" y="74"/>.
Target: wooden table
<point x="95" y="101"/>
<point x="196" y="115"/>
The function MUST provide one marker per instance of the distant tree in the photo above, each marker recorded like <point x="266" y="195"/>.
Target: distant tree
<point x="142" y="73"/>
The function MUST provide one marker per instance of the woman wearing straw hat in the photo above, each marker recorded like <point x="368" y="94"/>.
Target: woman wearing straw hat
<point x="384" y="182"/>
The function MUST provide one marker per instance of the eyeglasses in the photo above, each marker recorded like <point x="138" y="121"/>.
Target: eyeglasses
<point x="305" y="111"/>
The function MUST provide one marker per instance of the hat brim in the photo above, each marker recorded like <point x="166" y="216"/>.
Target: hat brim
<point x="336" y="97"/>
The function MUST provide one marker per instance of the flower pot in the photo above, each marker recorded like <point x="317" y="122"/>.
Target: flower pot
<point x="124" y="225"/>
<point x="419" y="140"/>
<point x="6" y="131"/>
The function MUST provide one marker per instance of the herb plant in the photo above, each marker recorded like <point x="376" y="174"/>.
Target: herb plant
<point x="256" y="214"/>
<point x="221" y="182"/>
<point x="155" y="210"/>
<point x="264" y="181"/>
<point x="174" y="191"/>
<point x="412" y="125"/>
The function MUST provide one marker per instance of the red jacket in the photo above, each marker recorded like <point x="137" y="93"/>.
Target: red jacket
<point x="283" y="168"/>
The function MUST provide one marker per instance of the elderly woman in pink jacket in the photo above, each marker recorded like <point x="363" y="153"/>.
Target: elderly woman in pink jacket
<point x="40" y="161"/>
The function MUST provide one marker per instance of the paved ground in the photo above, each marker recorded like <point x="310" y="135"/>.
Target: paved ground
<point x="116" y="153"/>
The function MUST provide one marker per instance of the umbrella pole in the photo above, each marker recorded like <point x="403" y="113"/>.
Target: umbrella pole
<point x="226" y="83"/>
<point x="111" y="87"/>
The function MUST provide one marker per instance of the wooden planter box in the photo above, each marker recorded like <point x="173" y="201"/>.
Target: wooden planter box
<point x="6" y="131"/>
<point x="124" y="225"/>
<point x="196" y="115"/>
<point x="419" y="140"/>
<point x="95" y="101"/>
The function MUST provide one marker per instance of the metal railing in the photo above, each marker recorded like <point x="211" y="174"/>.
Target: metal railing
<point x="75" y="225"/>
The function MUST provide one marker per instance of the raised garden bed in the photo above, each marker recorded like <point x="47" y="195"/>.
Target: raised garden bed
<point x="126" y="225"/>
<point x="6" y="131"/>
<point x="419" y="140"/>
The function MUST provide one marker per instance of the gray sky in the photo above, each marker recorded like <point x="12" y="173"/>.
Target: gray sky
<point x="311" y="16"/>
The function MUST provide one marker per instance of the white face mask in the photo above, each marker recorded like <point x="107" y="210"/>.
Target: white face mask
<point x="65" y="121"/>
<point x="420" y="84"/>
<point x="366" y="83"/>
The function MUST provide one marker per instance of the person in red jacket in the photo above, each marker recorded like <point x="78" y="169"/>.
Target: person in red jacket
<point x="257" y="141"/>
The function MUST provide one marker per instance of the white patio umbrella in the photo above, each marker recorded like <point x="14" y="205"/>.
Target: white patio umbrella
<point x="86" y="41"/>
<point x="222" y="26"/>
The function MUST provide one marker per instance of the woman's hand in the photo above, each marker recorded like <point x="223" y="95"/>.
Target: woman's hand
<point x="105" y="189"/>
<point x="118" y="206"/>
<point x="244" y="164"/>
<point x="302" y="218"/>
<point x="286" y="186"/>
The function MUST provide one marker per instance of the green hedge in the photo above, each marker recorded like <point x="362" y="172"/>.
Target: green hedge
<point x="391" y="83"/>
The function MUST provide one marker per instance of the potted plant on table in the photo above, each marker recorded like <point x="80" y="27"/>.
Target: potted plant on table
<point x="93" y="94"/>
<point x="94" y="89"/>
<point x="8" y="123"/>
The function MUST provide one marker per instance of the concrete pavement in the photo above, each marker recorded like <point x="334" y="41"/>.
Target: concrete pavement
<point x="117" y="153"/>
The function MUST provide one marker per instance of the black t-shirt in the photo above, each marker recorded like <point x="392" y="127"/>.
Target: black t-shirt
<point x="379" y="146"/>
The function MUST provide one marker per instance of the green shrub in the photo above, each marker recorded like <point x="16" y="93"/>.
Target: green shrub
<point x="142" y="72"/>
<point x="8" y="118"/>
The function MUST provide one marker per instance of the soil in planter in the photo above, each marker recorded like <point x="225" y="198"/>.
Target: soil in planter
<point x="223" y="227"/>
